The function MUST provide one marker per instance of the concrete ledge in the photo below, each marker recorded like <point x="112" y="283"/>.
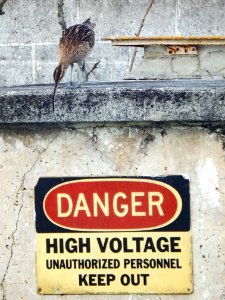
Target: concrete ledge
<point x="124" y="101"/>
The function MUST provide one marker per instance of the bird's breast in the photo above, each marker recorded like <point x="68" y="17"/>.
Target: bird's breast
<point x="80" y="53"/>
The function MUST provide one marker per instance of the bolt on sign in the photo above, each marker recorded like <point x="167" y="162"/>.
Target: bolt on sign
<point x="113" y="235"/>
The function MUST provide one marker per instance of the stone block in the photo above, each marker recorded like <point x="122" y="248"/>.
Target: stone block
<point x="212" y="59"/>
<point x="17" y="53"/>
<point x="105" y="52"/>
<point x="201" y="17"/>
<point x="119" y="18"/>
<point x="44" y="72"/>
<point x="12" y="75"/>
<point x="153" y="68"/>
<point x="71" y="12"/>
<point x="203" y="51"/>
<point x="161" y="19"/>
<point x="29" y="22"/>
<point x="184" y="66"/>
<point x="16" y="65"/>
<point x="94" y="10"/>
<point x="111" y="71"/>
<point x="46" y="53"/>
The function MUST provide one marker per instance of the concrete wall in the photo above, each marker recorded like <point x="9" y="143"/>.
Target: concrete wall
<point x="30" y="32"/>
<point x="111" y="151"/>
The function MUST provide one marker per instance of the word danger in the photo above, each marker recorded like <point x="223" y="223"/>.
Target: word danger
<point x="119" y="206"/>
<point x="115" y="245"/>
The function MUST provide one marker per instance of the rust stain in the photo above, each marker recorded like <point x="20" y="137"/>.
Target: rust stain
<point x="182" y="50"/>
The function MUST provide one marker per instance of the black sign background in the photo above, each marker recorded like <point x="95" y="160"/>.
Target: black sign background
<point x="180" y="183"/>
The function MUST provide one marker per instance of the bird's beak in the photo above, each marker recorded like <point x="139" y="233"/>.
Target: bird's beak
<point x="54" y="94"/>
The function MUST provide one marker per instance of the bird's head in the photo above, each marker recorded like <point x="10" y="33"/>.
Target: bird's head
<point x="59" y="73"/>
<point x="89" y="23"/>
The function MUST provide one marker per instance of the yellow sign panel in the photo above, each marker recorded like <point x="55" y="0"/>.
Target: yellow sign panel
<point x="91" y="263"/>
<point x="136" y="259"/>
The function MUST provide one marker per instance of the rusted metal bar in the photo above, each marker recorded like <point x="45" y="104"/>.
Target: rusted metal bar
<point x="166" y="40"/>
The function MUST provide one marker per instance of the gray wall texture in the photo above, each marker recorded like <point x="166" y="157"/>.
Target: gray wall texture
<point x="30" y="32"/>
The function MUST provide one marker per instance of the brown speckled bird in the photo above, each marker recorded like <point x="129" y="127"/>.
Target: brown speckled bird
<point x="75" y="45"/>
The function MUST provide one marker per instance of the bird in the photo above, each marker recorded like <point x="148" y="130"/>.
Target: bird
<point x="75" y="45"/>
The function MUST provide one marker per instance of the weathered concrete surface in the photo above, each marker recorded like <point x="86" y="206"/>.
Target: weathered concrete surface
<point x="125" y="101"/>
<point x="34" y="25"/>
<point x="200" y="17"/>
<point x="26" y="155"/>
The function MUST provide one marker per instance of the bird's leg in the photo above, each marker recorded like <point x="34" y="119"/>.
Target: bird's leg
<point x="79" y="78"/>
<point x="71" y="74"/>
<point x="84" y="71"/>
<point x="82" y="67"/>
<point x="71" y="83"/>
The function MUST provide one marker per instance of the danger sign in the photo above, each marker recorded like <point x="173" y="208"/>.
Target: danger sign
<point x="113" y="235"/>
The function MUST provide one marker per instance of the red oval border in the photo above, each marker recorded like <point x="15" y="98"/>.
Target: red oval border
<point x="169" y="187"/>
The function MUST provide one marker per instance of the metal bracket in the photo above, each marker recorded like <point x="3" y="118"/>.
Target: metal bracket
<point x="181" y="50"/>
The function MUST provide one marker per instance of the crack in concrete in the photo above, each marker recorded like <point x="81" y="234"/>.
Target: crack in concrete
<point x="146" y="138"/>
<point x="172" y="66"/>
<point x="95" y="145"/>
<point x="94" y="138"/>
<point x="200" y="69"/>
<point x="214" y="73"/>
<point x="94" y="142"/>
<point x="21" y="189"/>
<point x="137" y="152"/>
